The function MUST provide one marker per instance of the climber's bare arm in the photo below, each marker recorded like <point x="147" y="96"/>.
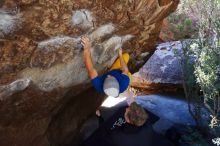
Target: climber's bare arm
<point x="87" y="57"/>
<point x="124" y="66"/>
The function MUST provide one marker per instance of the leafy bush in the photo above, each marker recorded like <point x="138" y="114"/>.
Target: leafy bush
<point x="201" y="64"/>
<point x="193" y="138"/>
<point x="182" y="26"/>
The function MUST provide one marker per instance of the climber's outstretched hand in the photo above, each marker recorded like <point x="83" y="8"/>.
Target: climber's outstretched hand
<point x="124" y="66"/>
<point x="87" y="57"/>
<point x="85" y="42"/>
<point x="120" y="52"/>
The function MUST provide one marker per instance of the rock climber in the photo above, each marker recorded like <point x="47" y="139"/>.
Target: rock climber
<point x="113" y="82"/>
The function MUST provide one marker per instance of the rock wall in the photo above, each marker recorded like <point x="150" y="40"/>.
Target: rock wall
<point x="44" y="86"/>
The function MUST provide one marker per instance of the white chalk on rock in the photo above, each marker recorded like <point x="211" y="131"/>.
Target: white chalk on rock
<point x="14" y="87"/>
<point x="55" y="43"/>
<point x="8" y="23"/>
<point x="83" y="19"/>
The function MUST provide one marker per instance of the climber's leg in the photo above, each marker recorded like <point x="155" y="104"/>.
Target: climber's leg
<point x="117" y="64"/>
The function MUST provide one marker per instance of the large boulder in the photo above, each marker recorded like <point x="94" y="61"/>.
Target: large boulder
<point x="44" y="87"/>
<point x="163" y="71"/>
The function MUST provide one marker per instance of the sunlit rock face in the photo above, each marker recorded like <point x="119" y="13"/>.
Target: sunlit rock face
<point x="163" y="71"/>
<point x="44" y="95"/>
<point x="164" y="65"/>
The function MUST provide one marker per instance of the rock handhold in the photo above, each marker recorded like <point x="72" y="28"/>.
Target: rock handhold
<point x="101" y="32"/>
<point x="83" y="19"/>
<point x="55" y="43"/>
<point x="14" y="87"/>
<point x="9" y="22"/>
<point x="110" y="48"/>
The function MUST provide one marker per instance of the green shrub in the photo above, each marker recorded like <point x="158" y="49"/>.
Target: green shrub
<point x="202" y="77"/>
